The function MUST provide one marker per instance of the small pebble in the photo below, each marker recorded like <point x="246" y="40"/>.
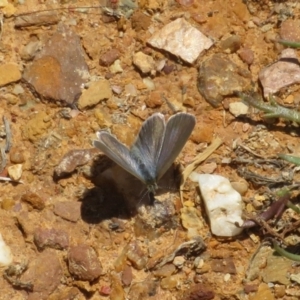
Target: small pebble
<point x="11" y="99"/>
<point x="15" y="172"/>
<point x="154" y="100"/>
<point x="5" y="253"/>
<point x="136" y="256"/>
<point x="116" y="67"/>
<point x="52" y="238"/>
<point x="246" y="55"/>
<point x="168" y="283"/>
<point x="145" y="63"/>
<point x="165" y="271"/>
<point x="84" y="263"/>
<point x="227" y="277"/>
<point x="231" y="44"/>
<point x="7" y="203"/>
<point x="240" y="186"/>
<point x="127" y="276"/>
<point x="109" y="57"/>
<point x="34" y="200"/>
<point x="179" y="261"/>
<point x="16" y="156"/>
<point x="130" y="90"/>
<point x="238" y="108"/>
<point x="149" y="83"/>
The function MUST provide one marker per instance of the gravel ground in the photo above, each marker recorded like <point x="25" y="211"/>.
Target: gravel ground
<point x="80" y="227"/>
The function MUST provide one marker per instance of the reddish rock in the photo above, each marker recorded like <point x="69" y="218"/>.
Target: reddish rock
<point x="34" y="200"/>
<point x="58" y="72"/>
<point x="16" y="155"/>
<point x="127" y="276"/>
<point x="220" y="77"/>
<point x="68" y="293"/>
<point x="44" y="273"/>
<point x="155" y="99"/>
<point x="52" y="238"/>
<point x="105" y="290"/>
<point x="140" y="21"/>
<point x="246" y="55"/>
<point x="250" y="288"/>
<point x="168" y="68"/>
<point x="223" y="266"/>
<point x="74" y="159"/>
<point x="200" y="291"/>
<point x="109" y="57"/>
<point x="232" y="44"/>
<point x="290" y="30"/>
<point x="68" y="210"/>
<point x="84" y="263"/>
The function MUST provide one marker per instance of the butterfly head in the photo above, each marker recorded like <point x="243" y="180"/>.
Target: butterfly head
<point x="152" y="187"/>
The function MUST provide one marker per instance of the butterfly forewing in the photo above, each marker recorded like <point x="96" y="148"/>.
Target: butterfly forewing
<point x="148" y="144"/>
<point x="177" y="132"/>
<point x="119" y="153"/>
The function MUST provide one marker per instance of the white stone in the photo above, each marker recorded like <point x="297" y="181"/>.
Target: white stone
<point x="130" y="90"/>
<point x="223" y="204"/>
<point x="5" y="254"/>
<point x="116" y="67"/>
<point x="179" y="261"/>
<point x="15" y="172"/>
<point x="238" y="108"/>
<point x="18" y="89"/>
<point x="181" y="39"/>
<point x="149" y="83"/>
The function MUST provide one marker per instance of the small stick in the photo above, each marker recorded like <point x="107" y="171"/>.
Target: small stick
<point x="275" y="210"/>
<point x="3" y="159"/>
<point x="249" y="150"/>
<point x="9" y="179"/>
<point x="291" y="227"/>
<point x="8" y="135"/>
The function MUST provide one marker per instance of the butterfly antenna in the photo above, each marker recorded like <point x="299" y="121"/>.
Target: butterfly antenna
<point x="142" y="195"/>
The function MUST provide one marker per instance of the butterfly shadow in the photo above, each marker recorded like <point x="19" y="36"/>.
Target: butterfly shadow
<point x="119" y="194"/>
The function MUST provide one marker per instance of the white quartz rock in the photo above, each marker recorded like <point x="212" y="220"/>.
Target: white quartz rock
<point x="223" y="204"/>
<point x="5" y="254"/>
<point x="181" y="39"/>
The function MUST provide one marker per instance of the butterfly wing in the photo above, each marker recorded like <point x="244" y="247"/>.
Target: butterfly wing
<point x="119" y="153"/>
<point x="178" y="130"/>
<point x="148" y="146"/>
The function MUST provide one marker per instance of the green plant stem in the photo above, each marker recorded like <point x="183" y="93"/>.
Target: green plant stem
<point x="290" y="158"/>
<point x="284" y="253"/>
<point x="272" y="110"/>
<point x="289" y="43"/>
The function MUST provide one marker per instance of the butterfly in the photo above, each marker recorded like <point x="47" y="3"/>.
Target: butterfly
<point x="156" y="147"/>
